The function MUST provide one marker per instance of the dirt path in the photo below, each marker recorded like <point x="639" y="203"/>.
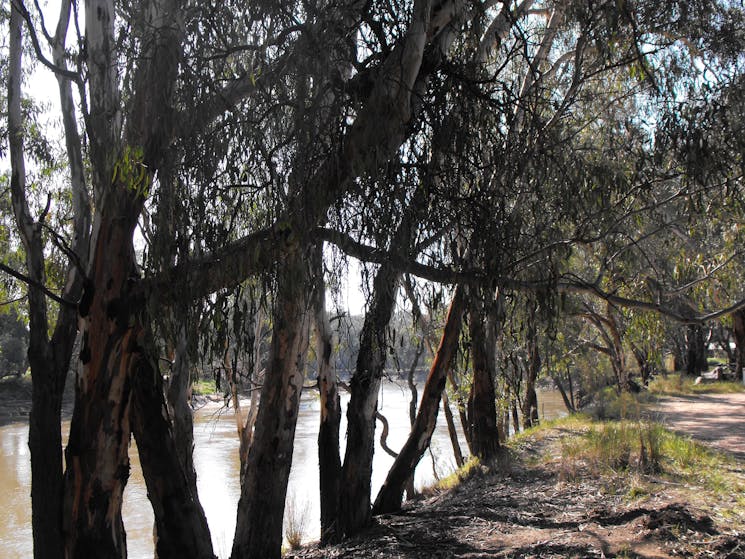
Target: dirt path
<point x="716" y="419"/>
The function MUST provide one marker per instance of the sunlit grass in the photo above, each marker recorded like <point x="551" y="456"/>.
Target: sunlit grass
<point x="680" y="385"/>
<point x="203" y="387"/>
<point x="637" y="449"/>
<point x="471" y="468"/>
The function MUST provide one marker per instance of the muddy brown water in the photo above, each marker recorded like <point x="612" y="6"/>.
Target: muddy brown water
<point x="216" y="460"/>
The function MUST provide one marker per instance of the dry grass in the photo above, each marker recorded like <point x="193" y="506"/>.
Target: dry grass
<point x="296" y="522"/>
<point x="681" y="385"/>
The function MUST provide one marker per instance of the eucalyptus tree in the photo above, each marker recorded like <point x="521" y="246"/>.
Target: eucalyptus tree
<point x="267" y="119"/>
<point x="49" y="357"/>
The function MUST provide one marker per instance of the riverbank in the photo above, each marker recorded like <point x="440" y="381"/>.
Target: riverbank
<point x="558" y="492"/>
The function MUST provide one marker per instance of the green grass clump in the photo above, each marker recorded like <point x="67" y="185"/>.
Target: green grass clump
<point x="202" y="387"/>
<point x="637" y="447"/>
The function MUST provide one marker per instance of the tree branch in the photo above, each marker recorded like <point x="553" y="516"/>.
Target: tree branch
<point x="36" y="285"/>
<point x="73" y="76"/>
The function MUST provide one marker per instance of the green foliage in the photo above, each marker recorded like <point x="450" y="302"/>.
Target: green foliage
<point x="642" y="448"/>
<point x="13" y="343"/>
<point x="203" y="387"/>
<point x="131" y="171"/>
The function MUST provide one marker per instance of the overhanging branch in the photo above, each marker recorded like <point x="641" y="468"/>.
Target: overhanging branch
<point x="36" y="285"/>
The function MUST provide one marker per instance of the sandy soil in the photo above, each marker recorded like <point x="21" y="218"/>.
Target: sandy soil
<point x="716" y="419"/>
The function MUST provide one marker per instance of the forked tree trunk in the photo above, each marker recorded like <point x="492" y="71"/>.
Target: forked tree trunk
<point x="181" y="527"/>
<point x="390" y="495"/>
<point x="263" y="492"/>
<point x="329" y="460"/>
<point x="482" y="409"/>
<point x="112" y="314"/>
<point x="568" y="403"/>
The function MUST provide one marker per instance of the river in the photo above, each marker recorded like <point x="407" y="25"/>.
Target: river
<point x="216" y="460"/>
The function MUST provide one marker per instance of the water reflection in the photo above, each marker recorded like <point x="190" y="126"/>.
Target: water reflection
<point x="216" y="461"/>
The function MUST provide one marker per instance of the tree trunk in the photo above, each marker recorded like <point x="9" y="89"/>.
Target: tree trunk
<point x="738" y="322"/>
<point x="482" y="410"/>
<point x="181" y="527"/>
<point x="45" y="439"/>
<point x="462" y="407"/>
<point x="696" y="359"/>
<point x="178" y="399"/>
<point x="410" y="489"/>
<point x="97" y="452"/>
<point x="264" y="489"/>
<point x="329" y="460"/>
<point x="354" y="506"/>
<point x="390" y="495"/>
<point x="567" y="401"/>
<point x="452" y="432"/>
<point x="247" y="429"/>
<point x="112" y="314"/>
<point x="530" y="405"/>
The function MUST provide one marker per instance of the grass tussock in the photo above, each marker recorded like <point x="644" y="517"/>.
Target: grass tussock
<point x="681" y="385"/>
<point x="295" y="522"/>
<point x="637" y="449"/>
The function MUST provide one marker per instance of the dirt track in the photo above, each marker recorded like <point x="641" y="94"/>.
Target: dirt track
<point x="716" y="419"/>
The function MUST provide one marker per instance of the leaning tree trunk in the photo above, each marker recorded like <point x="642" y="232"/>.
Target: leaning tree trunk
<point x="263" y="492"/>
<point x="181" y="526"/>
<point x="530" y="405"/>
<point x="354" y="506"/>
<point x="482" y="409"/>
<point x="329" y="460"/>
<point x="390" y="495"/>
